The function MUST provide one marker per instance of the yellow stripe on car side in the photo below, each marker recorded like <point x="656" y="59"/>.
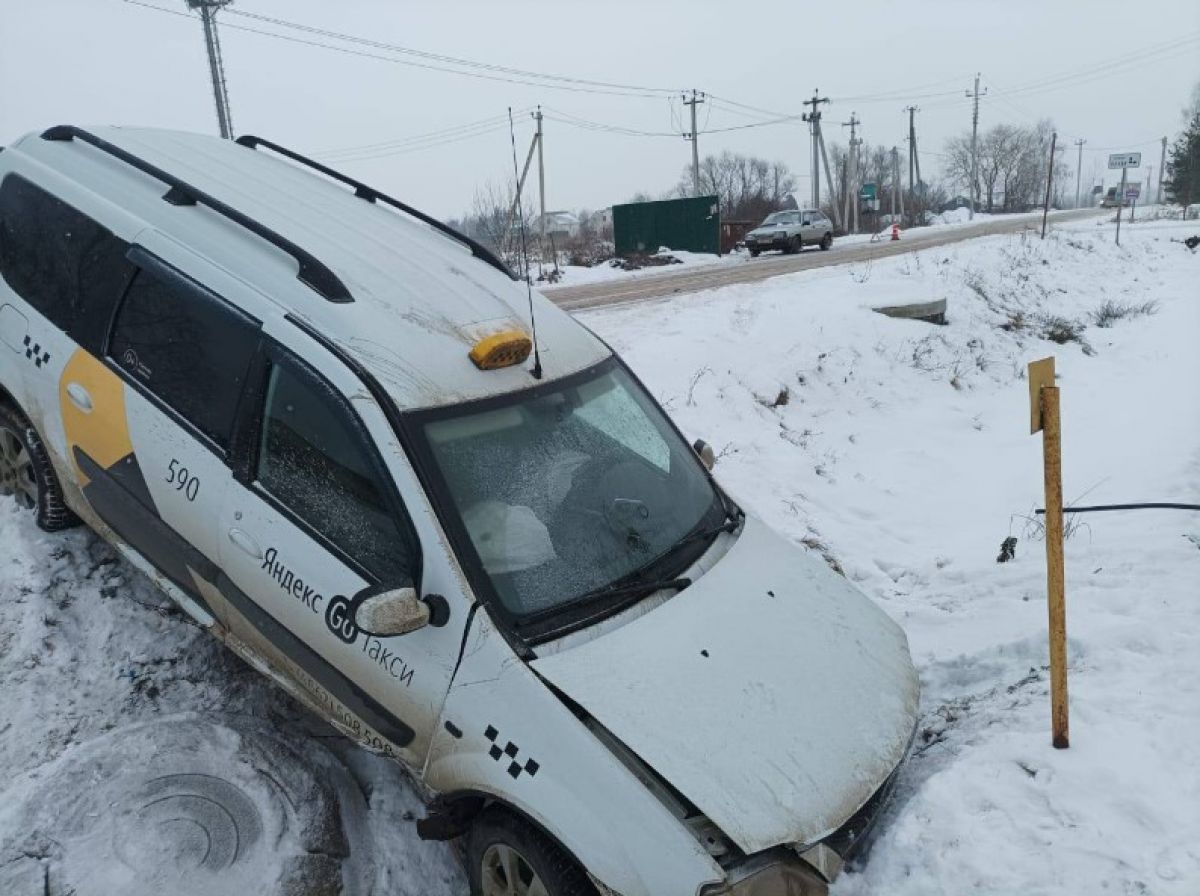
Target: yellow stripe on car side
<point x="102" y="432"/>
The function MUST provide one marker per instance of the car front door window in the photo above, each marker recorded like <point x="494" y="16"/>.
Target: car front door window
<point x="314" y="459"/>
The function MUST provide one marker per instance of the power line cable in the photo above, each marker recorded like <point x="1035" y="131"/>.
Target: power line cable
<point x="402" y="142"/>
<point x="410" y="63"/>
<point x="1147" y="56"/>
<point x="586" y="124"/>
<point x="441" y="57"/>
<point x="405" y="150"/>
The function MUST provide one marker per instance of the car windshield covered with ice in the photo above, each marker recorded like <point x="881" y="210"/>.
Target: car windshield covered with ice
<point x="567" y="490"/>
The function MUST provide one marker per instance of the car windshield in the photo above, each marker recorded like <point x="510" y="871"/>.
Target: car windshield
<point x="779" y="218"/>
<point x="568" y="488"/>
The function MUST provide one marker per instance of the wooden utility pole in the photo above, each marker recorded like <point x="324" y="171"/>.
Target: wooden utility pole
<point x="1049" y="182"/>
<point x="1044" y="415"/>
<point x="975" y="146"/>
<point x="512" y="212"/>
<point x="697" y="99"/>
<point x="897" y="187"/>
<point x="1079" y="171"/>
<point x="833" y="203"/>
<point x="541" y="187"/>
<point x="1162" y="168"/>
<point x="216" y="66"/>
<point x="814" y="127"/>
<point x="912" y="142"/>
<point x="914" y="161"/>
<point x="852" y="173"/>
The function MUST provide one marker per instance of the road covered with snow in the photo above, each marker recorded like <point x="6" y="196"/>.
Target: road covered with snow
<point x="897" y="449"/>
<point x="706" y="272"/>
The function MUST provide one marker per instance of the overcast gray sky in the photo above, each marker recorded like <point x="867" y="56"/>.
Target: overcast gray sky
<point x="1113" y="73"/>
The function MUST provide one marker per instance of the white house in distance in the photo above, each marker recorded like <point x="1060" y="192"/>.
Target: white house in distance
<point x="559" y="225"/>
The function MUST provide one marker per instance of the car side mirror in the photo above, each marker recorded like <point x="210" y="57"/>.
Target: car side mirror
<point x="705" y="452"/>
<point x="389" y="613"/>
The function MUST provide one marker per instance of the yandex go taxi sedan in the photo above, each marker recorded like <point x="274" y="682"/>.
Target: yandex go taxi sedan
<point x="311" y="414"/>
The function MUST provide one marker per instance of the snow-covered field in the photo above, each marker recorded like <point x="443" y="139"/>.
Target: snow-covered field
<point x="898" y="449"/>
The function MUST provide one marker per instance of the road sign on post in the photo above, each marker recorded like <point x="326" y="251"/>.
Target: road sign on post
<point x="1125" y="160"/>
<point x="1044" y="415"/>
<point x="868" y="195"/>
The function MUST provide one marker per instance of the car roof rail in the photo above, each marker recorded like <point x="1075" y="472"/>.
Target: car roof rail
<point x="362" y="191"/>
<point x="312" y="272"/>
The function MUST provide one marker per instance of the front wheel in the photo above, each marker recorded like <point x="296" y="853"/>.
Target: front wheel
<point x="507" y="856"/>
<point x="753" y="253"/>
<point x="795" y="244"/>
<point x="27" y="475"/>
<point x="826" y="242"/>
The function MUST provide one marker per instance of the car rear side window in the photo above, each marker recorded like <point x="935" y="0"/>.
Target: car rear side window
<point x="69" y="267"/>
<point x="187" y="347"/>
<point x="315" y="457"/>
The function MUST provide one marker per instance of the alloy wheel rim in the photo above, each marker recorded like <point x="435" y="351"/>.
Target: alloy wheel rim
<point x="507" y="873"/>
<point x="17" y="475"/>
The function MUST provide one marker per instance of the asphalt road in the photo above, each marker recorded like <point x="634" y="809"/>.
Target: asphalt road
<point x="669" y="283"/>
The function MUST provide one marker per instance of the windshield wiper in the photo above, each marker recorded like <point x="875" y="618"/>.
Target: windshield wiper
<point x="732" y="521"/>
<point x="647" y="587"/>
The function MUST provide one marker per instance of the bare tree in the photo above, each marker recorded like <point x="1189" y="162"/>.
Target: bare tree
<point x="749" y="188"/>
<point x="1012" y="166"/>
<point x="493" y="222"/>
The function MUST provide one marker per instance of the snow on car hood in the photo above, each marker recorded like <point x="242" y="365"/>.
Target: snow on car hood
<point x="772" y="693"/>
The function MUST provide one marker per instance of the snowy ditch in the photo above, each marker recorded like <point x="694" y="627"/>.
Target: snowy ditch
<point x="141" y="757"/>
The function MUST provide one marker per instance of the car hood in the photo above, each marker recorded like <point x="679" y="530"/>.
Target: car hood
<point x="771" y="693"/>
<point x="768" y="230"/>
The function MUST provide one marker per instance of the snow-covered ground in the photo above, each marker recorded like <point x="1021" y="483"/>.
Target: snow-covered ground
<point x="903" y="451"/>
<point x="897" y="448"/>
<point x="577" y="275"/>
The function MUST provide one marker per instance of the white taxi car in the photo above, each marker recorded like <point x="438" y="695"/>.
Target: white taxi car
<point x="312" y="415"/>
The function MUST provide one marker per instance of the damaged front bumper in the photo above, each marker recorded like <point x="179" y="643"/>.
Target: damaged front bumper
<point x="808" y="871"/>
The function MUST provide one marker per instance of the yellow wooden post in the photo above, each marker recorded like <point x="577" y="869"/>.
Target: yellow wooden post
<point x="1055" y="584"/>
<point x="1044" y="410"/>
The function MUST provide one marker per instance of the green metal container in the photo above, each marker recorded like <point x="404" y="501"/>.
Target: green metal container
<point x="692" y="225"/>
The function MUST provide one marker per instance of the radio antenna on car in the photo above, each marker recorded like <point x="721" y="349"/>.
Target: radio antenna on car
<point x="537" y="360"/>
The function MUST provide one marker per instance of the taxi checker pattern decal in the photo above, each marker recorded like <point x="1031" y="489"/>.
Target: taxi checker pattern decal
<point x="510" y="750"/>
<point x="33" y="351"/>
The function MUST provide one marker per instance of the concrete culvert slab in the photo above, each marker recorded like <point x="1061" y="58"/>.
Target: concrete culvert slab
<point x="187" y="805"/>
<point x="933" y="312"/>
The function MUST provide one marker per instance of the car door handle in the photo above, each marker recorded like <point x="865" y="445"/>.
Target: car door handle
<point x="245" y="543"/>
<point x="79" y="397"/>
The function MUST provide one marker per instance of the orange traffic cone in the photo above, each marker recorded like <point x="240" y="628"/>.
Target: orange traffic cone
<point x="895" y="231"/>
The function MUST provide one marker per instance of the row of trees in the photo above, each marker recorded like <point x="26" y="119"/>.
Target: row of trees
<point x="750" y="188"/>
<point x="1012" y="170"/>
<point x="1012" y="166"/>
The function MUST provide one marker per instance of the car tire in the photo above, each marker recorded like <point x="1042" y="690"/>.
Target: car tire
<point x="826" y="242"/>
<point x="501" y="844"/>
<point x="27" y="475"/>
<point x="753" y="253"/>
<point x="795" y="244"/>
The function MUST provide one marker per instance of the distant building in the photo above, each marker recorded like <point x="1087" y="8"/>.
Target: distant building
<point x="559" y="225"/>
